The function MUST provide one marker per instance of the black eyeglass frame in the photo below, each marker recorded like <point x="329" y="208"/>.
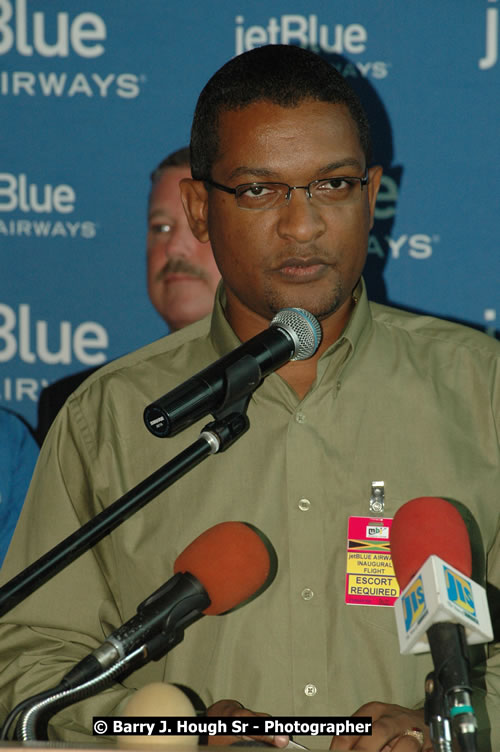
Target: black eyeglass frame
<point x="363" y="181"/>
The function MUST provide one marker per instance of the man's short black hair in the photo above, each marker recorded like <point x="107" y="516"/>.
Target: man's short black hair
<point x="282" y="74"/>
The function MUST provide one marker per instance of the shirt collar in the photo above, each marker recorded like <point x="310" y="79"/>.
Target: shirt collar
<point x="360" y="321"/>
<point x="224" y="339"/>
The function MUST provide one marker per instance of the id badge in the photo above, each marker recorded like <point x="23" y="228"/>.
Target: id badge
<point x="370" y="577"/>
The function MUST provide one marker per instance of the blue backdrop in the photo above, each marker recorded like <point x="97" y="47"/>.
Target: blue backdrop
<point x="94" y="93"/>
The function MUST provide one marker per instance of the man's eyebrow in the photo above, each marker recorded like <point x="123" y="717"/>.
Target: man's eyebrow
<point x="258" y="172"/>
<point x="338" y="164"/>
<point x="265" y="172"/>
<point x="159" y="214"/>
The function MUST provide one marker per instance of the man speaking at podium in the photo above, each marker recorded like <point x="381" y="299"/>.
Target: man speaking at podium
<point x="284" y="188"/>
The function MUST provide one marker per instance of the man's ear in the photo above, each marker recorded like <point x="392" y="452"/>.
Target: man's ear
<point x="194" y="198"/>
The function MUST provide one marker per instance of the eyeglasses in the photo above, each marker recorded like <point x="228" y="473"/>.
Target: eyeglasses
<point x="335" y="191"/>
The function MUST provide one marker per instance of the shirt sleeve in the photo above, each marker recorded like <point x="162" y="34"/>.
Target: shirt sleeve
<point x="38" y="646"/>
<point x="18" y="455"/>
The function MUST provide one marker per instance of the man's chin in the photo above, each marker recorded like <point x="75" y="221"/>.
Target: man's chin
<point x="179" y="316"/>
<point x="322" y="298"/>
<point x="320" y="307"/>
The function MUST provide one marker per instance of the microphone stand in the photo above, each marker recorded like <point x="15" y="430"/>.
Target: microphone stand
<point x="231" y="422"/>
<point x="447" y="719"/>
<point x="215" y="437"/>
<point x="435" y="715"/>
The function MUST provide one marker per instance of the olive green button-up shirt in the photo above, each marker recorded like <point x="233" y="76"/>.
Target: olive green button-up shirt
<point x="410" y="401"/>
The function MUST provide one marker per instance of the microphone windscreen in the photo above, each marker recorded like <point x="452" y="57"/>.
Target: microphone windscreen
<point x="158" y="700"/>
<point x="426" y="526"/>
<point x="231" y="561"/>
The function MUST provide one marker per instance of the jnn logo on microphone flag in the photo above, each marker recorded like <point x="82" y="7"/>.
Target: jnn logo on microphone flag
<point x="460" y="593"/>
<point x="414" y="606"/>
<point x="440" y="593"/>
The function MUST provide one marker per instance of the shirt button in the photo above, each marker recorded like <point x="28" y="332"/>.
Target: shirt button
<point x="304" y="505"/>
<point x="300" y="418"/>
<point x="307" y="594"/>
<point x="310" y="690"/>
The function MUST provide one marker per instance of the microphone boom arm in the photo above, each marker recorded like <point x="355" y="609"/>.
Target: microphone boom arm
<point x="216" y="436"/>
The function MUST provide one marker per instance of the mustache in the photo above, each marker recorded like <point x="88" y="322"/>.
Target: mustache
<point x="180" y="265"/>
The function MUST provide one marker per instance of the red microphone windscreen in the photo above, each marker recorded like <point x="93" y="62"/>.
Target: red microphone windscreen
<point x="426" y="526"/>
<point x="230" y="560"/>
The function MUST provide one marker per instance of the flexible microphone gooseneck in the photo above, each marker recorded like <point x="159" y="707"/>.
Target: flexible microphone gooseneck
<point x="223" y="568"/>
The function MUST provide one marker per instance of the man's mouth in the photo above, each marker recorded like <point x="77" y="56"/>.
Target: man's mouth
<point x="302" y="269"/>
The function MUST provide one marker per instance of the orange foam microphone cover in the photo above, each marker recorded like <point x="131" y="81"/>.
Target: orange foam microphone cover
<point x="230" y="560"/>
<point x="426" y="526"/>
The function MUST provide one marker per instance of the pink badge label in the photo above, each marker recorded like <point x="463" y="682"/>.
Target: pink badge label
<point x="370" y="578"/>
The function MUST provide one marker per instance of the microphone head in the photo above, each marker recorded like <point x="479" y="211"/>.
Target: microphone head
<point x="232" y="560"/>
<point x="158" y="700"/>
<point x="302" y="327"/>
<point x="426" y="526"/>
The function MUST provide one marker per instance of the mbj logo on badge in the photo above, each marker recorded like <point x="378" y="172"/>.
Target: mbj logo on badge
<point x="414" y="606"/>
<point x="377" y="531"/>
<point x="459" y="592"/>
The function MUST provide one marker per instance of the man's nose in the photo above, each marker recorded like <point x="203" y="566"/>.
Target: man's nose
<point x="299" y="218"/>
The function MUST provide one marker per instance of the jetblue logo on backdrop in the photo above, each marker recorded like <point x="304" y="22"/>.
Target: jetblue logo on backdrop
<point x="82" y="34"/>
<point x="16" y="192"/>
<point x="415" y="245"/>
<point x="309" y="31"/>
<point x="50" y="34"/>
<point x="33" y="341"/>
<point x="491" y="41"/>
<point x="20" y="196"/>
<point x="414" y="606"/>
<point x="29" y="340"/>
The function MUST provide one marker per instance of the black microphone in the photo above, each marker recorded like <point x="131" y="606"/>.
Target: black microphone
<point x="221" y="569"/>
<point x="294" y="334"/>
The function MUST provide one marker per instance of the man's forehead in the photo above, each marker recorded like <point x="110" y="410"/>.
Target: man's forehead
<point x="270" y="107"/>
<point x="263" y="136"/>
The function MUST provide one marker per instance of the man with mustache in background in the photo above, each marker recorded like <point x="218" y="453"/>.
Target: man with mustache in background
<point x="181" y="272"/>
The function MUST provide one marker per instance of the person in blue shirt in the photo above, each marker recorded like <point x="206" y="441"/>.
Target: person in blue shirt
<point x="18" y="456"/>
